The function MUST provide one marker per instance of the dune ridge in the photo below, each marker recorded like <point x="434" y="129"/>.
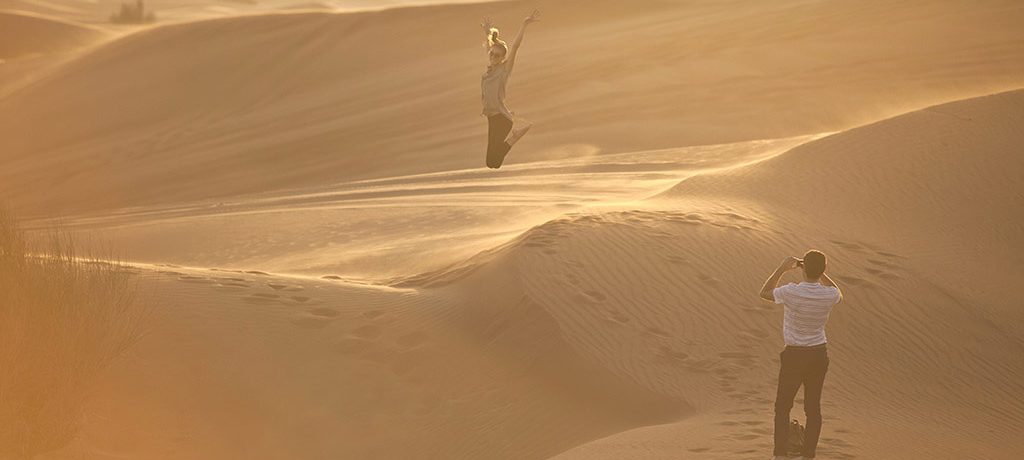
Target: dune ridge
<point x="944" y="180"/>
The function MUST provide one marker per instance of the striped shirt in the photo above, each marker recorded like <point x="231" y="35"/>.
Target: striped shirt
<point x="806" y="311"/>
<point x="492" y="90"/>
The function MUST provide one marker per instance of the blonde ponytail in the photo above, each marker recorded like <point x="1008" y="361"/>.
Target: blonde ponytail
<point x="493" y="40"/>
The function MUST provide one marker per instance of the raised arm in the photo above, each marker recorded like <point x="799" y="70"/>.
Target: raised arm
<point x="828" y="282"/>
<point x="513" y="49"/>
<point x="787" y="264"/>
<point x="487" y="24"/>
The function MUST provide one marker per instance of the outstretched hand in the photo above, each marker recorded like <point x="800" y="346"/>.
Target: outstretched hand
<point x="487" y="23"/>
<point x="532" y="18"/>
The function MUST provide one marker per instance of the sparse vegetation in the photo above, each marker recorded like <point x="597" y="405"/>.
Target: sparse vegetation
<point x="63" y="319"/>
<point x="133" y="14"/>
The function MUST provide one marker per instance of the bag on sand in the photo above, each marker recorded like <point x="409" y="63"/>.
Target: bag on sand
<point x="795" y="443"/>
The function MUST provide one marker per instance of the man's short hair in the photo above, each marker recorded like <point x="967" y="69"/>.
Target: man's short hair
<point x="814" y="264"/>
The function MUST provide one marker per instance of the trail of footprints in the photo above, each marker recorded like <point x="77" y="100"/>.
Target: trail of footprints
<point x="364" y="335"/>
<point x="270" y="293"/>
<point x="881" y="265"/>
<point x="750" y="421"/>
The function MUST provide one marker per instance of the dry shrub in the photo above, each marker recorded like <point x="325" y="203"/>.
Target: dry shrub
<point x="63" y="319"/>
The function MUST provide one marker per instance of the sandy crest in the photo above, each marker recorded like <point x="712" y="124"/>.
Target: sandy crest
<point x="25" y="35"/>
<point x="32" y="46"/>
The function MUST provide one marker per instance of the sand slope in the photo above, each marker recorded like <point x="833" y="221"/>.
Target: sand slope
<point x="215" y="108"/>
<point x="628" y="332"/>
<point x="944" y="193"/>
<point x="23" y="35"/>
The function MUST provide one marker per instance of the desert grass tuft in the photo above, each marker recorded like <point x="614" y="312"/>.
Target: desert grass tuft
<point x="63" y="319"/>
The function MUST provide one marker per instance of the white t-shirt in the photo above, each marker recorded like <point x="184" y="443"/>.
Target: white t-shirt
<point x="806" y="311"/>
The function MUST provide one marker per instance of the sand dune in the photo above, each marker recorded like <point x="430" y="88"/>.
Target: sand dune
<point x="631" y="331"/>
<point x="97" y="12"/>
<point x="376" y="230"/>
<point x="23" y="35"/>
<point x="944" y="183"/>
<point x="215" y="108"/>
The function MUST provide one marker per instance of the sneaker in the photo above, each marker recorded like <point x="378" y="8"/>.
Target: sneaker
<point x="517" y="134"/>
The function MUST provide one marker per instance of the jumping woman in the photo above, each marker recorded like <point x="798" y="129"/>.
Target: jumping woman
<point x="500" y="136"/>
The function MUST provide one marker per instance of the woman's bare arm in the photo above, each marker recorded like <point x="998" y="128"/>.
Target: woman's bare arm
<point x="513" y="49"/>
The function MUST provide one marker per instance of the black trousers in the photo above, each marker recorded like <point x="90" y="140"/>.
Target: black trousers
<point x="807" y="367"/>
<point x="498" y="127"/>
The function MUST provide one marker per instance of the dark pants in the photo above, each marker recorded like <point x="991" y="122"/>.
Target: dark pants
<point x="807" y="367"/>
<point x="498" y="127"/>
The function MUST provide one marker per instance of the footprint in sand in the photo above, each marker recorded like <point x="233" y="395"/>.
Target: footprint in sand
<point x="707" y="278"/>
<point x="231" y="282"/>
<point x="311" y="322"/>
<point x="262" y="297"/>
<point x="694" y="217"/>
<point x="756" y="333"/>
<point x="677" y="260"/>
<point x="618" y="317"/>
<point x="538" y="242"/>
<point x="372" y="314"/>
<point x="285" y="287"/>
<point x="855" y="281"/>
<point x="368" y="332"/>
<point x="352" y="345"/>
<point x="403" y="364"/>
<point x="412" y="340"/>
<point x="850" y="246"/>
<point x="883" y="274"/>
<point x="232" y="285"/>
<point x="324" y="312"/>
<point x="657" y="332"/>
<point x="882" y="263"/>
<point x="670" y="353"/>
<point x="701" y="365"/>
